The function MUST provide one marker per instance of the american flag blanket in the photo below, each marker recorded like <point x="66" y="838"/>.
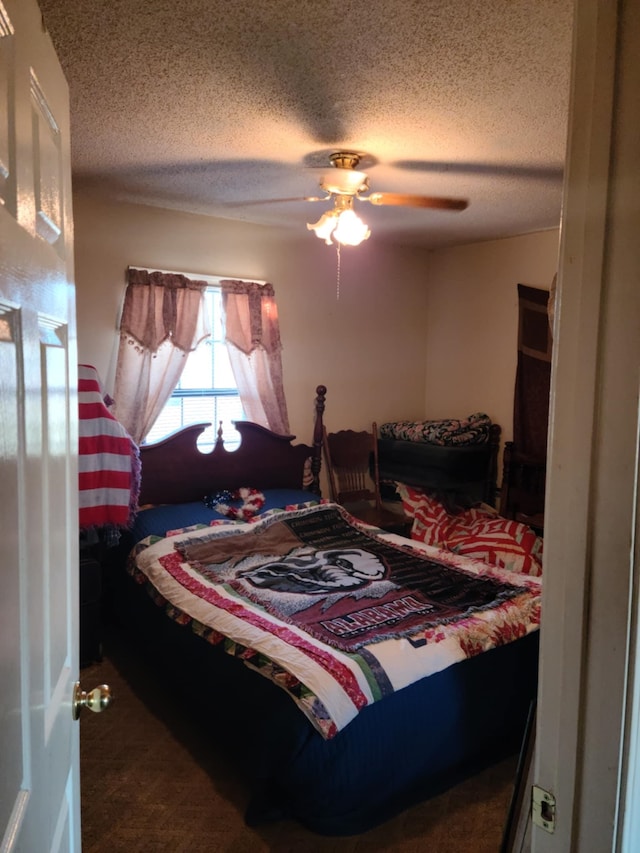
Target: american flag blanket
<point x="108" y="459"/>
<point x="338" y="624"/>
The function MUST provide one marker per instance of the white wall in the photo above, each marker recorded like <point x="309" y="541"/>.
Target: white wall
<point x="412" y="335"/>
<point x="368" y="347"/>
<point x="472" y="323"/>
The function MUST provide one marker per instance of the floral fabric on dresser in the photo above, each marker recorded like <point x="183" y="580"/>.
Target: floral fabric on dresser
<point x="450" y="432"/>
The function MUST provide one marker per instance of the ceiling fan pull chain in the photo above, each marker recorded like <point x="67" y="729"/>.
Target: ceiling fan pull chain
<point x="338" y="273"/>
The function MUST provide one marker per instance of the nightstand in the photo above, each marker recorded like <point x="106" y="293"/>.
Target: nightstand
<point x="384" y="518"/>
<point x="90" y="609"/>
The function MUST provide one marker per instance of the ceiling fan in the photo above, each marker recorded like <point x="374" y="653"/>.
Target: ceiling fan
<point x="343" y="184"/>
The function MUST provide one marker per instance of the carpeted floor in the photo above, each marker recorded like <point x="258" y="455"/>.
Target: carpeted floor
<point x="149" y="785"/>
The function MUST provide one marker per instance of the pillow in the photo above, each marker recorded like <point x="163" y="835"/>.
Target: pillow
<point x="158" y="520"/>
<point x="478" y="533"/>
<point x="484" y="535"/>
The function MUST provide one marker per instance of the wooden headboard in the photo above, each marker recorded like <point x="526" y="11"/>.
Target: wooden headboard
<point x="174" y="470"/>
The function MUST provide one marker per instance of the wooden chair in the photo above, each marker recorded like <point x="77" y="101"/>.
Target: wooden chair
<point x="352" y="468"/>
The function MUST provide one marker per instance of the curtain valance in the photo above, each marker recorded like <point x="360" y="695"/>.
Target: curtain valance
<point x="161" y="307"/>
<point x="162" y="320"/>
<point x="251" y="316"/>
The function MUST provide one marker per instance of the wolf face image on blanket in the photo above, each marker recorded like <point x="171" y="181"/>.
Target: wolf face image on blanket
<point x="318" y="572"/>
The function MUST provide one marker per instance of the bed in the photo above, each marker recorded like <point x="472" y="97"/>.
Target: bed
<point x="329" y="723"/>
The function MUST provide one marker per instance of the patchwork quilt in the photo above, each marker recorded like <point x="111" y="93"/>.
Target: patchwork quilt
<point x="334" y="611"/>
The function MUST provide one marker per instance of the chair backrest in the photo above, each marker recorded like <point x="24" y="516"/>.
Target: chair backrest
<point x="352" y="465"/>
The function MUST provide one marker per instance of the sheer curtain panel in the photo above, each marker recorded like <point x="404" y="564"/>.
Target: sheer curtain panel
<point x="252" y="333"/>
<point x="162" y="321"/>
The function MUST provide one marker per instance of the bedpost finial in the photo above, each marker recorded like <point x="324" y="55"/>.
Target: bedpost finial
<point x="321" y="392"/>
<point x="219" y="439"/>
<point x="316" y="459"/>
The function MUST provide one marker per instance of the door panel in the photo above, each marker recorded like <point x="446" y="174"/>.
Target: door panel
<point x="39" y="787"/>
<point x="11" y="733"/>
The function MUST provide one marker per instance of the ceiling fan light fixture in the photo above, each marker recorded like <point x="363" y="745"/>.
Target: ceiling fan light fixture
<point x="341" y="224"/>
<point x="325" y="226"/>
<point x="350" y="229"/>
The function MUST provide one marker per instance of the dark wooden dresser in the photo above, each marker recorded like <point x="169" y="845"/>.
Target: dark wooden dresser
<point x="90" y="608"/>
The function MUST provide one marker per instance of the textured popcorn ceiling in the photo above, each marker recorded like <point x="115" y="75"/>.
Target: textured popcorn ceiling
<point x="216" y="108"/>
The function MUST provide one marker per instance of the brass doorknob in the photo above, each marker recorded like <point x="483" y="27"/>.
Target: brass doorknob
<point x="98" y="699"/>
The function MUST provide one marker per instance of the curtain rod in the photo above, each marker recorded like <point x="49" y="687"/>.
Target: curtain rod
<point x="210" y="279"/>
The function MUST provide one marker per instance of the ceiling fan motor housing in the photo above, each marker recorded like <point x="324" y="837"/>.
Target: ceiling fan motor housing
<point x="345" y="182"/>
<point x="344" y="179"/>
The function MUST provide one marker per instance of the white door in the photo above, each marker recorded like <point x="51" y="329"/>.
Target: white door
<point x="39" y="764"/>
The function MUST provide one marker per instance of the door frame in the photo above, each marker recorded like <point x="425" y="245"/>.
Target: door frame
<point x="592" y="460"/>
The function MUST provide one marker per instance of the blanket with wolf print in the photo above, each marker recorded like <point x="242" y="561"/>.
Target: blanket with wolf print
<point x="321" y="571"/>
<point x="417" y="624"/>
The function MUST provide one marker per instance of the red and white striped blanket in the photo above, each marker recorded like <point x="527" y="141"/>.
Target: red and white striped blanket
<point x="108" y="459"/>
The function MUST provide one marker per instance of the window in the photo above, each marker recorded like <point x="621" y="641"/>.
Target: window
<point x="206" y="391"/>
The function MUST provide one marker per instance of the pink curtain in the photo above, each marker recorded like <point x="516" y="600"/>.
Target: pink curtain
<point x="162" y="321"/>
<point x="253" y="341"/>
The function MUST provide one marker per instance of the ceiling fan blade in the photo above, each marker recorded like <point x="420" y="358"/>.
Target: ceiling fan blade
<point x="254" y="202"/>
<point x="416" y="201"/>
